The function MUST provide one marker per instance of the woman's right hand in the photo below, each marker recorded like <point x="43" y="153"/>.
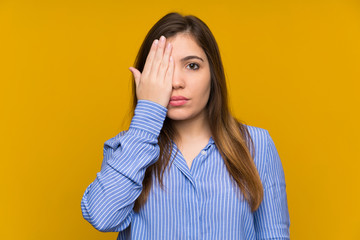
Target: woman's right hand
<point x="155" y="82"/>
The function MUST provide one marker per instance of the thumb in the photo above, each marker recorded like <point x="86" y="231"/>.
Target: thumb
<point x="136" y="73"/>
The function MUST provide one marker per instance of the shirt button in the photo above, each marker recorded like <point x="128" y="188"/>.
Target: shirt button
<point x="203" y="152"/>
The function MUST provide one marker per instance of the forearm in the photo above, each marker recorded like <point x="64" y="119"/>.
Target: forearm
<point x="108" y="202"/>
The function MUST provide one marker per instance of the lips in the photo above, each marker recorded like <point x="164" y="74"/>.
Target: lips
<point x="178" y="100"/>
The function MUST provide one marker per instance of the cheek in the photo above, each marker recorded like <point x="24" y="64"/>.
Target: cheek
<point x="201" y="97"/>
<point x="202" y="87"/>
<point x="205" y="94"/>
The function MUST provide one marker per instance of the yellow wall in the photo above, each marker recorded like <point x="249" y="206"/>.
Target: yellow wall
<point x="293" y="68"/>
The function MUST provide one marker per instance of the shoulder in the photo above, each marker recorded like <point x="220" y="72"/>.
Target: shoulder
<point x="258" y="135"/>
<point x="264" y="149"/>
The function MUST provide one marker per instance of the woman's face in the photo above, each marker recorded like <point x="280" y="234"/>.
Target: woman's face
<point x="191" y="81"/>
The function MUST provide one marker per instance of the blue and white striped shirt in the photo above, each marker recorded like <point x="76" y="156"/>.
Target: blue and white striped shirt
<point x="197" y="203"/>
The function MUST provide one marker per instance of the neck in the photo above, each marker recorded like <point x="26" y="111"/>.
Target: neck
<point x="195" y="129"/>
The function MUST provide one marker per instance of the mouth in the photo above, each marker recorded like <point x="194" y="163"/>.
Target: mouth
<point x="178" y="101"/>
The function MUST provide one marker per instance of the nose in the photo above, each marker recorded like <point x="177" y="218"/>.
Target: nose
<point x="178" y="79"/>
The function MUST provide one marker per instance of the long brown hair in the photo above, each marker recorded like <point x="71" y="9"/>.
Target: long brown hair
<point x="230" y="136"/>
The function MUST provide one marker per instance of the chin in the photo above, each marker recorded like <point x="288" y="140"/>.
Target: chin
<point x="183" y="114"/>
<point x="178" y="114"/>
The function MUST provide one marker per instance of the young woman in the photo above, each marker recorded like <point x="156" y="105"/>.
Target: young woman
<point x="186" y="168"/>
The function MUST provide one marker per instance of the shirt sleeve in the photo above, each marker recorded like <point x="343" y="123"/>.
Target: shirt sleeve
<point x="272" y="219"/>
<point x="108" y="201"/>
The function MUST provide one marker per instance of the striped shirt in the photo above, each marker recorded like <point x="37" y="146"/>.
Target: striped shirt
<point x="197" y="203"/>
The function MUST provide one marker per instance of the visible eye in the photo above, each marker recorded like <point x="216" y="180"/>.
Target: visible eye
<point x="193" y="66"/>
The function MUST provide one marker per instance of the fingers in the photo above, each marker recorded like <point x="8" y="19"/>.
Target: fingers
<point x="136" y="73"/>
<point x="157" y="58"/>
<point x="150" y="57"/>
<point x="164" y="62"/>
<point x="170" y="71"/>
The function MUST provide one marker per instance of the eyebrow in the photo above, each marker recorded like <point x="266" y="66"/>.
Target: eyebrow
<point x="191" y="57"/>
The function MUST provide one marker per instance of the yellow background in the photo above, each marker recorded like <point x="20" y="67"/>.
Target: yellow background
<point x="293" y="68"/>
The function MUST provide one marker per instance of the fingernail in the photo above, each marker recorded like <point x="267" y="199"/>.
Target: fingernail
<point x="169" y="45"/>
<point x="156" y="42"/>
<point x="162" y="38"/>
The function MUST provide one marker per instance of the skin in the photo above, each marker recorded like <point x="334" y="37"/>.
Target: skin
<point x="166" y="74"/>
